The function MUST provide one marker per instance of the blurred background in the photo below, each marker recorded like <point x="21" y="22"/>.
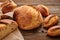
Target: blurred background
<point x="45" y="2"/>
<point x="53" y="5"/>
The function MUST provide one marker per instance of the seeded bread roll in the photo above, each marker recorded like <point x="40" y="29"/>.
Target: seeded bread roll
<point x="27" y="17"/>
<point x="8" y="6"/>
<point x="54" y="31"/>
<point x="6" y="27"/>
<point x="43" y="9"/>
<point x="50" y="21"/>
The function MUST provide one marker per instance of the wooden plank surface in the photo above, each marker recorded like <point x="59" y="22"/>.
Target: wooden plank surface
<point x="45" y="2"/>
<point x="40" y="34"/>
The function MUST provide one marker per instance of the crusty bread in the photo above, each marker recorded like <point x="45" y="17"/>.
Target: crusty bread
<point x="43" y="9"/>
<point x="54" y="31"/>
<point x="27" y="17"/>
<point x="6" y="27"/>
<point x="8" y="6"/>
<point x="50" y="21"/>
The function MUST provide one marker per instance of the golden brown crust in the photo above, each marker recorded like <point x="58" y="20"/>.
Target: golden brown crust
<point x="43" y="9"/>
<point x="54" y="31"/>
<point x="50" y="21"/>
<point x="8" y="6"/>
<point x="1" y="26"/>
<point x="27" y="17"/>
<point x="6" y="27"/>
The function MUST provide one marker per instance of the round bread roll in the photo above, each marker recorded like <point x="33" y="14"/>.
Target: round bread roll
<point x="50" y="21"/>
<point x="54" y="31"/>
<point x="8" y="6"/>
<point x="6" y="27"/>
<point x="27" y="17"/>
<point x="43" y="9"/>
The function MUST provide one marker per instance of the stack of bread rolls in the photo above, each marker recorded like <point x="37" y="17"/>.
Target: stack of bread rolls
<point x="27" y="17"/>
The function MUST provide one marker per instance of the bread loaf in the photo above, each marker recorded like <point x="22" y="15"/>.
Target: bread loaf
<point x="54" y="31"/>
<point x="27" y="17"/>
<point x="50" y="21"/>
<point x="43" y="9"/>
<point x="6" y="27"/>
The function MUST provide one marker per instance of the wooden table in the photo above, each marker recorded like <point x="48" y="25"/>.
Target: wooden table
<point x="41" y="34"/>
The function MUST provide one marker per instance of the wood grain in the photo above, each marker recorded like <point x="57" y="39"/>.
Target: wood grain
<point x="45" y="2"/>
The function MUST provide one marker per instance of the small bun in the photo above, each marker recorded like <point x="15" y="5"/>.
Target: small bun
<point x="8" y="6"/>
<point x="43" y="9"/>
<point x="54" y="31"/>
<point x="27" y="17"/>
<point x="50" y="21"/>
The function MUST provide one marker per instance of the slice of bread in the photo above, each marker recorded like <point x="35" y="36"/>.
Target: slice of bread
<point x="6" y="27"/>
